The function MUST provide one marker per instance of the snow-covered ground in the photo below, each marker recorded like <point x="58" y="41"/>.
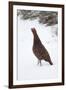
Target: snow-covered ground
<point x="27" y="62"/>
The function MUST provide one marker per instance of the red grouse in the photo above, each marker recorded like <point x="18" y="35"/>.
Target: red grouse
<point x="39" y="50"/>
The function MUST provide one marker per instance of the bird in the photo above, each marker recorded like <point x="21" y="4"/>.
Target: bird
<point x="39" y="49"/>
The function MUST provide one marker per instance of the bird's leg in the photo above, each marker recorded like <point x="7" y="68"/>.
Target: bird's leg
<point x="40" y="63"/>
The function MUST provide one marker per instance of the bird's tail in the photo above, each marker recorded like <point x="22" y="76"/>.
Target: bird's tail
<point x="50" y="62"/>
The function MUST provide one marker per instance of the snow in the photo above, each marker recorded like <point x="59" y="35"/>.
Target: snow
<point x="28" y="69"/>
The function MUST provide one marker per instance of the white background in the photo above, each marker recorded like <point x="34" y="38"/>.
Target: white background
<point x="4" y="44"/>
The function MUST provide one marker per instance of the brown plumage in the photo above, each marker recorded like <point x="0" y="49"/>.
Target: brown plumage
<point x="39" y="50"/>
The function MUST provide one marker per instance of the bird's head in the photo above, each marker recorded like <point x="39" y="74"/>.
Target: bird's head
<point x="33" y="30"/>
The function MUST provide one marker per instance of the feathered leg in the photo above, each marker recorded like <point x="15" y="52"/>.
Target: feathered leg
<point x="40" y="63"/>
